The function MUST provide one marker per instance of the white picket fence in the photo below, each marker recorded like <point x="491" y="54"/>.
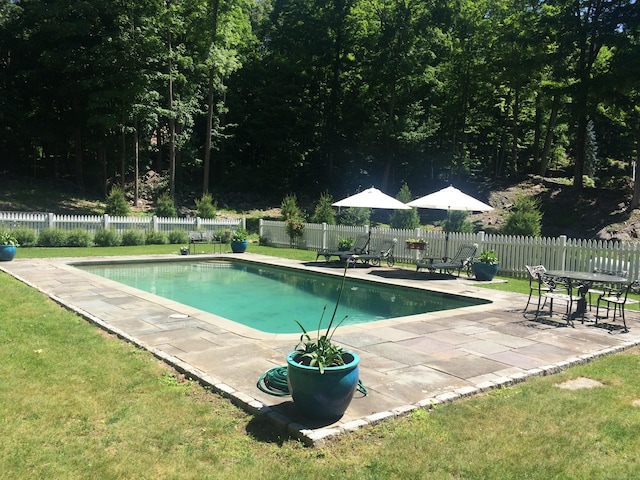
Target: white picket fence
<point x="93" y="223"/>
<point x="514" y="252"/>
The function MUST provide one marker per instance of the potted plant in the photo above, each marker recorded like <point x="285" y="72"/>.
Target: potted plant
<point x="345" y="243"/>
<point x="416" y="243"/>
<point x="8" y="246"/>
<point x="486" y="265"/>
<point x="239" y="240"/>
<point x="322" y="376"/>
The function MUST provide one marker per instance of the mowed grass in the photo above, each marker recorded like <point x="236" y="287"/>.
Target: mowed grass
<point x="76" y="402"/>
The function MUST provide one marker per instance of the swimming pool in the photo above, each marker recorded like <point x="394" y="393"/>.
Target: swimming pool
<point x="269" y="298"/>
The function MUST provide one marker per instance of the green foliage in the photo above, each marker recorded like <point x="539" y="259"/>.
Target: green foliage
<point x="206" y="207"/>
<point x="165" y="207"/>
<point x="79" y="237"/>
<point x="239" y="235"/>
<point x="322" y="352"/>
<point x="289" y="207"/>
<point x="457" y="222"/>
<point x="488" y="256"/>
<point x="346" y="242"/>
<point x="107" y="238"/>
<point x="116" y="203"/>
<point x="52" y="237"/>
<point x="133" y="237"/>
<point x="177" y="237"/>
<point x="26" y="237"/>
<point x="294" y="226"/>
<point x="8" y="238"/>
<point x="324" y="212"/>
<point x="355" y="216"/>
<point x="253" y="225"/>
<point x="404" y="218"/>
<point x="525" y="218"/>
<point x="154" y="237"/>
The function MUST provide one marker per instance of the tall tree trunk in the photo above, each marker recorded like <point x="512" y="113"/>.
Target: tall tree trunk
<point x="535" y="154"/>
<point x="215" y="4"/>
<point x="635" y="202"/>
<point x="548" y="138"/>
<point x="172" y="131"/>
<point x="136" y="164"/>
<point x="123" y="148"/>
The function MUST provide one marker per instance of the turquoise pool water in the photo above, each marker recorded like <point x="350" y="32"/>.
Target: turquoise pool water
<point x="271" y="298"/>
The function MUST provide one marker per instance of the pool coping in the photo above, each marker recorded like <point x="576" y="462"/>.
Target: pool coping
<point x="410" y="363"/>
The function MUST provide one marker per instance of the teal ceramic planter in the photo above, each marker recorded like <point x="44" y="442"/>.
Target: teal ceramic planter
<point x="239" y="247"/>
<point x="7" y="252"/>
<point x="323" y="396"/>
<point x="484" y="271"/>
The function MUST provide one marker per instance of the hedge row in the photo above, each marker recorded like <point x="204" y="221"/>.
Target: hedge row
<point x="56" y="237"/>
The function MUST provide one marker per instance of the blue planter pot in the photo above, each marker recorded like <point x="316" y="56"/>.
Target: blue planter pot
<point x="238" y="247"/>
<point x="7" y="252"/>
<point x="484" y="271"/>
<point x="323" y="396"/>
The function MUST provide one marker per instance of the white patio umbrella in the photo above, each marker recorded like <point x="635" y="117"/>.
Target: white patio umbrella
<point x="372" y="198"/>
<point x="448" y="199"/>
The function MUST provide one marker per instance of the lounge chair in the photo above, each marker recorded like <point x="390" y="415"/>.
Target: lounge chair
<point x="462" y="260"/>
<point x="384" y="251"/>
<point x="360" y="246"/>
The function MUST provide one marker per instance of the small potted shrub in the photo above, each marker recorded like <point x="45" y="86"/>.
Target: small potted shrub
<point x="416" y="243"/>
<point x="345" y="243"/>
<point x="239" y="240"/>
<point x="8" y="246"/>
<point x="322" y="376"/>
<point x="486" y="265"/>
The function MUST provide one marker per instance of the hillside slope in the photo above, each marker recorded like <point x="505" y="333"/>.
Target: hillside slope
<point x="595" y="214"/>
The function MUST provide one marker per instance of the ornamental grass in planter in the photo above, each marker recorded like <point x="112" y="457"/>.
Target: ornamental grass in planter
<point x="322" y="376"/>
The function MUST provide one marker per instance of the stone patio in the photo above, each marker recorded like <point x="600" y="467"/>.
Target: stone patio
<point x="406" y="363"/>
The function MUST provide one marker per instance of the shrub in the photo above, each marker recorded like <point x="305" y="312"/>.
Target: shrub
<point x="117" y="203"/>
<point x="133" y="237"/>
<point x="404" y="218"/>
<point x="253" y="225"/>
<point x="205" y="207"/>
<point x="165" y="206"/>
<point x="178" y="236"/>
<point x="355" y="216"/>
<point x="106" y="238"/>
<point x="289" y="207"/>
<point x="26" y="237"/>
<point x="294" y="227"/>
<point x="79" y="237"/>
<point x="324" y="212"/>
<point x="52" y="237"/>
<point x="155" y="238"/>
<point x="524" y="219"/>
<point x="457" y="222"/>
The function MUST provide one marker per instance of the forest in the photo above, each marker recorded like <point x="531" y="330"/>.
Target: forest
<point x="312" y="96"/>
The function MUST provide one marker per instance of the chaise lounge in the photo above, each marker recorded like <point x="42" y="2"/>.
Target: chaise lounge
<point x="384" y="251"/>
<point x="460" y="261"/>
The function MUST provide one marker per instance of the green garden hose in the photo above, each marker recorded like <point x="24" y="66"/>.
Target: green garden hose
<point x="274" y="382"/>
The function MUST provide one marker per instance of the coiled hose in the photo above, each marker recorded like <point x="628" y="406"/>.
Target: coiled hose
<point x="274" y="382"/>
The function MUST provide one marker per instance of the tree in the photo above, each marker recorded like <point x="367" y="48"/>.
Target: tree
<point x="405" y="218"/>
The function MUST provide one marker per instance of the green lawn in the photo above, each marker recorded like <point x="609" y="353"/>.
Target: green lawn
<point x="78" y="403"/>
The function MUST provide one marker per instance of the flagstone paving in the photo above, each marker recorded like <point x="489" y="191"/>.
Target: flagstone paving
<point x="408" y="363"/>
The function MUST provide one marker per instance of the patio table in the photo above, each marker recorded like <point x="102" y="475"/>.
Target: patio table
<point x="584" y="281"/>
